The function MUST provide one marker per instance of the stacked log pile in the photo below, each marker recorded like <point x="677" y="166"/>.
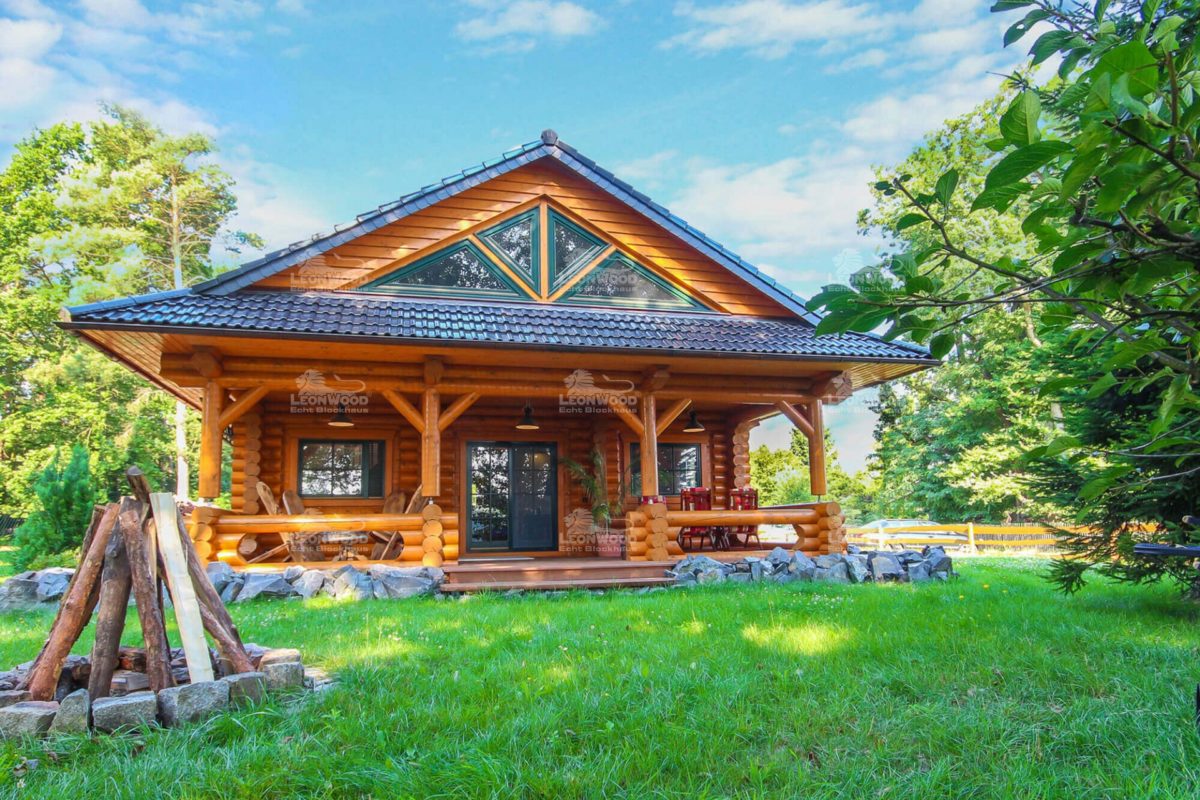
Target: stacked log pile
<point x="826" y="534"/>
<point x="649" y="536"/>
<point x="128" y="550"/>
<point x="652" y="531"/>
<point x="413" y="537"/>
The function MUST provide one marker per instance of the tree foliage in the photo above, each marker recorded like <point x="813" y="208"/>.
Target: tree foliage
<point x="65" y="498"/>
<point x="1099" y="169"/>
<point x="90" y="212"/>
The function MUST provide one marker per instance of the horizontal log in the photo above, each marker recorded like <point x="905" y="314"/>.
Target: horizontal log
<point x="231" y="523"/>
<point x="790" y="516"/>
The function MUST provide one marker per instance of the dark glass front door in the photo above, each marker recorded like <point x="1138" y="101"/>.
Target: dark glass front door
<point x="512" y="499"/>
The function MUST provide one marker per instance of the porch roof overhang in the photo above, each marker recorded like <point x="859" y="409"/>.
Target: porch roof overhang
<point x="138" y="331"/>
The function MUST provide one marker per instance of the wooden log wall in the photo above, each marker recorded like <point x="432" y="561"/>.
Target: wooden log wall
<point x="652" y="531"/>
<point x="428" y="537"/>
<point x="247" y="463"/>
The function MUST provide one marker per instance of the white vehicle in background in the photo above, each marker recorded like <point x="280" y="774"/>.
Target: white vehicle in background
<point x="894" y="532"/>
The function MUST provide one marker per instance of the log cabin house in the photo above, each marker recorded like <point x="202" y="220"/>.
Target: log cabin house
<point x="417" y="379"/>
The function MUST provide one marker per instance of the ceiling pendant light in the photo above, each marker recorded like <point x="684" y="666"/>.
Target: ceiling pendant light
<point x="341" y="419"/>
<point x="693" y="424"/>
<point x="527" y="422"/>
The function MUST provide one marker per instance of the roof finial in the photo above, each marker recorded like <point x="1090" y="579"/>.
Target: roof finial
<point x="549" y="137"/>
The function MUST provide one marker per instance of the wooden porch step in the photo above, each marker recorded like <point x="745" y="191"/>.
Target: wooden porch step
<point x="554" y="570"/>
<point x="554" y="585"/>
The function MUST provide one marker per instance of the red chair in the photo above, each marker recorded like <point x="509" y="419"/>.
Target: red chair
<point x="744" y="500"/>
<point x="699" y="498"/>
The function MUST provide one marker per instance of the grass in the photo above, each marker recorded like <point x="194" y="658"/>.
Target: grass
<point x="992" y="686"/>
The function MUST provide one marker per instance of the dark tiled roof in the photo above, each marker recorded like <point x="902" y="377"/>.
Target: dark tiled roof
<point x="515" y="324"/>
<point x="548" y="146"/>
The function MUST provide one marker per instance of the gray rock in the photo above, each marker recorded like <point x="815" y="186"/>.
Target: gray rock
<point x="908" y="556"/>
<point x="310" y="583"/>
<point x="711" y="576"/>
<point x="284" y="676"/>
<point x="280" y="655"/>
<point x="290" y="574"/>
<point x="398" y="583"/>
<point x="837" y="573"/>
<point x="779" y="556"/>
<point x="316" y="679"/>
<point x="696" y="563"/>
<point x="264" y="585"/>
<point x="18" y="592"/>
<point x="857" y="568"/>
<point x="220" y="574"/>
<point x="29" y="718"/>
<point x="52" y="583"/>
<point x="354" y="585"/>
<point x="246" y="688"/>
<point x="803" y="567"/>
<point x="230" y="592"/>
<point x="11" y="696"/>
<point x="919" y="571"/>
<point x="192" y="702"/>
<point x="937" y="559"/>
<point x="740" y="577"/>
<point x="783" y="576"/>
<point x="130" y="712"/>
<point x="853" y="549"/>
<point x="829" y="560"/>
<point x="756" y="570"/>
<point x="885" y="567"/>
<point x="74" y="713"/>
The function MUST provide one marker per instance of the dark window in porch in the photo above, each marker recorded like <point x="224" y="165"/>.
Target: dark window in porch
<point x="340" y="468"/>
<point x="678" y="467"/>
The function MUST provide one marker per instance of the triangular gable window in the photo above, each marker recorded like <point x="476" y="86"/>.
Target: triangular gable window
<point x="571" y="249"/>
<point x="461" y="269"/>
<point x="619" y="281"/>
<point x="514" y="242"/>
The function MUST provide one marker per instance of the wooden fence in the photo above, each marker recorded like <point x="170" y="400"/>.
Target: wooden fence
<point x="978" y="536"/>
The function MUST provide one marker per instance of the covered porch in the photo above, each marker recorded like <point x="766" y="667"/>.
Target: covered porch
<point x="438" y="424"/>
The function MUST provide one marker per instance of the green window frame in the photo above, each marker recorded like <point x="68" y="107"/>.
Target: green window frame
<point x="396" y="283"/>
<point x="341" y="468"/>
<point x="676" y="299"/>
<point x="532" y="273"/>
<point x="680" y="466"/>
<point x="555" y="221"/>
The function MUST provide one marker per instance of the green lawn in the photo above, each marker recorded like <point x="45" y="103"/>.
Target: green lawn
<point x="991" y="686"/>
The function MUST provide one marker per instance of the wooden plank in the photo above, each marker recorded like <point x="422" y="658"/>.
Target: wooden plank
<point x="158" y="653"/>
<point x="183" y="593"/>
<point x="213" y="612"/>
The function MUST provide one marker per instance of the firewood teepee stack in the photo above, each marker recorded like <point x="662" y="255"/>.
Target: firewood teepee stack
<point x="138" y="546"/>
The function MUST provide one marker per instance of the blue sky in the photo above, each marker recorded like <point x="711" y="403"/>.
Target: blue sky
<point x="756" y="120"/>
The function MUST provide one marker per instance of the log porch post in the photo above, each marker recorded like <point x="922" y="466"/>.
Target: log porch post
<point x="211" y="429"/>
<point x="816" y="448"/>
<point x="649" y="447"/>
<point x="431" y="436"/>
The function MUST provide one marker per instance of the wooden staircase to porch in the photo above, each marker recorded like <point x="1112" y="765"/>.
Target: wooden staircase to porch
<point x="549" y="574"/>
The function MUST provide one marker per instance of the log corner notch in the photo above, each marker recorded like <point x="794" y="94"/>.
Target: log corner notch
<point x="810" y="420"/>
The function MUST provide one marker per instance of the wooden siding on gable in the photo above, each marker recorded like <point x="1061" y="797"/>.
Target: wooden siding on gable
<point x="393" y="246"/>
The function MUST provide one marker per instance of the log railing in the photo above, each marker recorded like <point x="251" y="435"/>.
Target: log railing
<point x="652" y="530"/>
<point x="428" y="537"/>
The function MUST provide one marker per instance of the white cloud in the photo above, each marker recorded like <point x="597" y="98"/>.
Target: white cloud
<point x="772" y="28"/>
<point x="646" y="172"/>
<point x="518" y="25"/>
<point x="25" y="82"/>
<point x="27" y="38"/>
